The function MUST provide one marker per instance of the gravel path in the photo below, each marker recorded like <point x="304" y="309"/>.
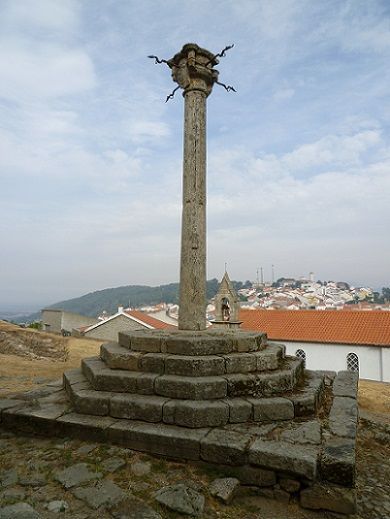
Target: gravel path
<point x="46" y="478"/>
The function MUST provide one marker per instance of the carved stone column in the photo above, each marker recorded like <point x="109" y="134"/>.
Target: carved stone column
<point x="192" y="69"/>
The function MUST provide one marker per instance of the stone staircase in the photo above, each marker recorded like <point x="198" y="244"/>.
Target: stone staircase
<point x="151" y="377"/>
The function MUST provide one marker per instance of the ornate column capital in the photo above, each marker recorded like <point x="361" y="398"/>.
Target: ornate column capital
<point x="192" y="69"/>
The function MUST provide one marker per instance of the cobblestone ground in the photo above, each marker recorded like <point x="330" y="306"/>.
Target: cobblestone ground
<point x="46" y="478"/>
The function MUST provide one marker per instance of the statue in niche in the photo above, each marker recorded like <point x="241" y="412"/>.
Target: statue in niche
<point x="225" y="309"/>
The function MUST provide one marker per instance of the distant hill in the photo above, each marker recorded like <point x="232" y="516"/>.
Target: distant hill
<point x="109" y="299"/>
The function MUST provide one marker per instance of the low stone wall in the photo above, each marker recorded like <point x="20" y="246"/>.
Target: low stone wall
<point x="33" y="344"/>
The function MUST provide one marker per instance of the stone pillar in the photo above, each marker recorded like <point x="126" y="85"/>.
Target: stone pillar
<point x="192" y="69"/>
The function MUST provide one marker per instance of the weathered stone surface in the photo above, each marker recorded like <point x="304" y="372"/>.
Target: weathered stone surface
<point x="167" y="440"/>
<point x="85" y="426"/>
<point x="239" y="384"/>
<point x="57" y="506"/>
<point x="190" y="413"/>
<point x="308" y="432"/>
<point x="338" y="461"/>
<point x="87" y="401"/>
<point x="141" y="468"/>
<point x="35" y="479"/>
<point x="191" y="388"/>
<point x="152" y="362"/>
<point x="240" y="362"/>
<point x="105" y="493"/>
<point x="76" y="475"/>
<point x="345" y="384"/>
<point x="240" y="410"/>
<point x="270" y="409"/>
<point x="181" y="498"/>
<point x="19" y="511"/>
<point x="296" y="459"/>
<point x="113" y="464"/>
<point x="222" y="446"/>
<point x="8" y="478"/>
<point x="9" y="403"/>
<point x="334" y="499"/>
<point x="343" y="417"/>
<point x="194" y="365"/>
<point x="224" y="488"/>
<point x="289" y="485"/>
<point x="138" y="407"/>
<point x="133" y="508"/>
<point x="268" y="359"/>
<point x="118" y="357"/>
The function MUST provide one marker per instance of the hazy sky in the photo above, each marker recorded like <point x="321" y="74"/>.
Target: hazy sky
<point x="90" y="154"/>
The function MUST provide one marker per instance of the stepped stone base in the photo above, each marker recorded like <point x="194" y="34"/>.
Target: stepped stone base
<point x="268" y="423"/>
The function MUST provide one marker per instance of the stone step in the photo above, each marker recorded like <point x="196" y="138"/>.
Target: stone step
<point x="119" y="357"/>
<point x="262" y="383"/>
<point x="184" y="412"/>
<point x="182" y="342"/>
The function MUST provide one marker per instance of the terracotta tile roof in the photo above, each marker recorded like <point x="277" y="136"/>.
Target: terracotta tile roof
<point x="151" y="321"/>
<point x="360" y="327"/>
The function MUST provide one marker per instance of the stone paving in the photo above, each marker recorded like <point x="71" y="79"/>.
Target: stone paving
<point x="246" y="410"/>
<point x="46" y="478"/>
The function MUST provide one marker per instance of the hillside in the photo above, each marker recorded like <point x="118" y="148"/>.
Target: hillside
<point x="109" y="299"/>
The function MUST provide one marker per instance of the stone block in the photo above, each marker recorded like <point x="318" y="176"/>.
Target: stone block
<point x="270" y="409"/>
<point x="346" y="384"/>
<point x="91" y="402"/>
<point x="240" y="410"/>
<point x="85" y="426"/>
<point x="224" y="489"/>
<point x="137" y="407"/>
<point x="268" y="359"/>
<point x="338" y="461"/>
<point x="305" y="403"/>
<point x="145" y="383"/>
<point x="299" y="460"/>
<point x="223" y="446"/>
<point x="194" y="365"/>
<point x="307" y="432"/>
<point x="190" y="413"/>
<point x="150" y="341"/>
<point x="191" y="388"/>
<point x="239" y="384"/>
<point x="152" y="362"/>
<point x="343" y="417"/>
<point x="162" y="439"/>
<point x="334" y="499"/>
<point x="72" y="376"/>
<point x="118" y="357"/>
<point x="197" y="345"/>
<point x="240" y="362"/>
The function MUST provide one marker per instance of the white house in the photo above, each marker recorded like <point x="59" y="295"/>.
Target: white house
<point x="329" y="339"/>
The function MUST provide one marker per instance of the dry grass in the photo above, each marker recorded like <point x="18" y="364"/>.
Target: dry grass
<point x="21" y="374"/>
<point x="374" y="396"/>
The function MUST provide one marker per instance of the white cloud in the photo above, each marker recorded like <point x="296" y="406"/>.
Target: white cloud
<point x="43" y="72"/>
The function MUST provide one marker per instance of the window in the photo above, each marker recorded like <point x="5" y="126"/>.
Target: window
<point x="352" y="362"/>
<point x="300" y="354"/>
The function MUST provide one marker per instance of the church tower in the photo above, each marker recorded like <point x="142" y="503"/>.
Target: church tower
<point x="226" y="305"/>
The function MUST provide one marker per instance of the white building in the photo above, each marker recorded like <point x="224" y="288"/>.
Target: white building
<point x="329" y="340"/>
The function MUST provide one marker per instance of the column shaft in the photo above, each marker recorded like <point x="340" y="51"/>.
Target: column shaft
<point x="192" y="300"/>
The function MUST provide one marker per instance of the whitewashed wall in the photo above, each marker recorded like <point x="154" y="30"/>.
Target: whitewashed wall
<point x="374" y="361"/>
